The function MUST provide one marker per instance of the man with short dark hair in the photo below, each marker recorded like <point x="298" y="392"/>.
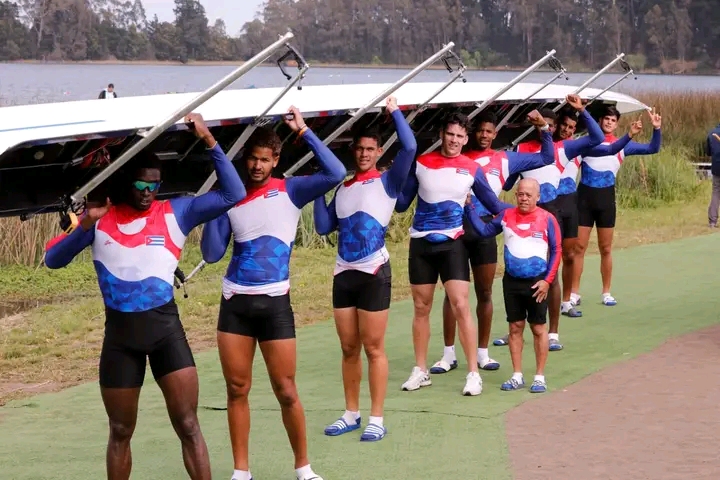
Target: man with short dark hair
<point x="136" y="245"/>
<point x="108" y="93"/>
<point x="713" y="150"/>
<point x="360" y="211"/>
<point x="255" y="306"/>
<point x="442" y="181"/>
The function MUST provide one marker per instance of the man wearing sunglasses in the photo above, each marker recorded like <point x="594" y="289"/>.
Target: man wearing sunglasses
<point x="136" y="244"/>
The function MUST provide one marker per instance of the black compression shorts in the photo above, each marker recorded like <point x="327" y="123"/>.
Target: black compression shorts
<point x="596" y="206"/>
<point x="568" y="205"/>
<point x="519" y="302"/>
<point x="481" y="250"/>
<point x="427" y="261"/>
<point x="364" y="291"/>
<point x="132" y="337"/>
<point x="262" y="317"/>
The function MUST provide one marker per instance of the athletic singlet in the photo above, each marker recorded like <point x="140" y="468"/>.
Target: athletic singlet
<point x="499" y="165"/>
<point x="361" y="209"/>
<point x="442" y="185"/>
<point x="135" y="253"/>
<point x="600" y="167"/>
<point x="532" y="241"/>
<point x="264" y="225"/>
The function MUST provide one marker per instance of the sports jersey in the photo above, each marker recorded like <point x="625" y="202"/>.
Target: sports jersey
<point x="361" y="208"/>
<point x="263" y="226"/>
<point x="442" y="185"/>
<point x="135" y="253"/>
<point x="600" y="167"/>
<point x="499" y="165"/>
<point x="532" y="241"/>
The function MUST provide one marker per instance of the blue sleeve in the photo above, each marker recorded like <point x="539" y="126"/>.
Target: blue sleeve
<point x="215" y="238"/>
<point x="61" y="250"/>
<point x="193" y="211"/>
<point x="483" y="192"/>
<point x="303" y="190"/>
<point x="605" y="150"/>
<point x="521" y="162"/>
<point x="555" y="247"/>
<point x="397" y="175"/>
<point x="325" y="216"/>
<point x="580" y="146"/>
<point x="409" y="191"/>
<point x="634" y="148"/>
<point x="485" y="229"/>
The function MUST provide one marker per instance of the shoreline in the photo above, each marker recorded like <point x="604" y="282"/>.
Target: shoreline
<point x="364" y="66"/>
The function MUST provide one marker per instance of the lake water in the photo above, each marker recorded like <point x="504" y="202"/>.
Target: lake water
<point x="24" y="83"/>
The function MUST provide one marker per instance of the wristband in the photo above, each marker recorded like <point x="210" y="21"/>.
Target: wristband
<point x="302" y="131"/>
<point x="545" y="128"/>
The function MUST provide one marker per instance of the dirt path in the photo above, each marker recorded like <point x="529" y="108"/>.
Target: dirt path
<point x="655" y="417"/>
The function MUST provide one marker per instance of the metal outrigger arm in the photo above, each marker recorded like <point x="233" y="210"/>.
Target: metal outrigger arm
<point x="482" y="106"/>
<point x="371" y="104"/>
<point x="628" y="72"/>
<point x="577" y="91"/>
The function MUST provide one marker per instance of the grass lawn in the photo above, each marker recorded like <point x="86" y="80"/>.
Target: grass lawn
<point x="659" y="294"/>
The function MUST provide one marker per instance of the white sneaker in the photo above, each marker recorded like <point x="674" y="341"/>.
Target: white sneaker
<point x="473" y="384"/>
<point x="417" y="379"/>
<point x="313" y="476"/>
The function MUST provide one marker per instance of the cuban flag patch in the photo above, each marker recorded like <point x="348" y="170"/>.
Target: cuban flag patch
<point x="272" y="193"/>
<point x="154" y="240"/>
<point x="462" y="171"/>
<point x="368" y="181"/>
<point x="494" y="171"/>
<point x="537" y="235"/>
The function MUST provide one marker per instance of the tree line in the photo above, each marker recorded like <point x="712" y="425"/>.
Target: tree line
<point x="672" y="36"/>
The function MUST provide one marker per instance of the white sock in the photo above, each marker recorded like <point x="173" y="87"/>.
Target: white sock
<point x="449" y="354"/>
<point x="376" y="420"/>
<point x="482" y="354"/>
<point x="351" y="417"/>
<point x="241" y="475"/>
<point x="606" y="294"/>
<point x="566" y="305"/>
<point x="540" y="378"/>
<point x="574" y="297"/>
<point x="554" y="336"/>
<point x="518" y="376"/>
<point x="304" y="472"/>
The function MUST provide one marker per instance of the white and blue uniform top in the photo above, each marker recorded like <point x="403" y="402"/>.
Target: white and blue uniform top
<point x="498" y="166"/>
<point x="361" y="208"/>
<point x="264" y="226"/>
<point x="135" y="253"/>
<point x="600" y="165"/>
<point x="549" y="176"/>
<point x="442" y="185"/>
<point x="532" y="241"/>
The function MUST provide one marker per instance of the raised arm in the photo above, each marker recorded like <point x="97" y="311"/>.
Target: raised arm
<point x="579" y="146"/>
<point x="484" y="229"/>
<point x="61" y="250"/>
<point x="520" y="162"/>
<point x="555" y="247"/>
<point x="409" y="191"/>
<point x="324" y="216"/>
<point x="397" y="175"/>
<point x="483" y="192"/>
<point x="634" y="148"/>
<point x="215" y="238"/>
<point x="303" y="190"/>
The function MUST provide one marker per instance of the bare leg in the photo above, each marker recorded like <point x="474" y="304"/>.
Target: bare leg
<point x="181" y="389"/>
<point x="515" y="343"/>
<point x="457" y="291"/>
<point x="346" y="324"/>
<point x="582" y="246"/>
<point x="540" y="340"/>
<point x="554" y="305"/>
<point x="605" y="240"/>
<point x="422" y="300"/>
<point x="236" y="357"/>
<point x="483" y="276"/>
<point x="570" y="249"/>
<point x="121" y="405"/>
<point x="448" y="323"/>
<point x="372" y="334"/>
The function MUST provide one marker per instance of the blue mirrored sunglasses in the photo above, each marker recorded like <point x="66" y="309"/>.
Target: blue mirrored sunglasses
<point x="150" y="186"/>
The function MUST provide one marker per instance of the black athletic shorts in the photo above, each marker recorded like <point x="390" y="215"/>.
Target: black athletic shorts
<point x="133" y="337"/>
<point x="261" y="317"/>
<point x="519" y="302"/>
<point x="553" y="207"/>
<point x="568" y="215"/>
<point x="481" y="250"/>
<point x="596" y="206"/>
<point x="427" y="261"/>
<point x="364" y="291"/>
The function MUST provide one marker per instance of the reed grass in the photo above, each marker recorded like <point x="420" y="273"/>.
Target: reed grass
<point x="644" y="182"/>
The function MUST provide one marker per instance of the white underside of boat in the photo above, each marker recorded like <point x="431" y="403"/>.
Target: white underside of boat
<point x="27" y="124"/>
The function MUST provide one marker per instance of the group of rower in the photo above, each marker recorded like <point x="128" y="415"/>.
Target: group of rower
<point x="137" y="240"/>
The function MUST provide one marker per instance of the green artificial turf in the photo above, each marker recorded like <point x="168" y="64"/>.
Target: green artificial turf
<point x="663" y="290"/>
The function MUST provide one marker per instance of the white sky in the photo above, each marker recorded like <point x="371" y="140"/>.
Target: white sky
<point x="234" y="12"/>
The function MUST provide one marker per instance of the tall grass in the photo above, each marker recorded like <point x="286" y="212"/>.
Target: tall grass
<point x="644" y="182"/>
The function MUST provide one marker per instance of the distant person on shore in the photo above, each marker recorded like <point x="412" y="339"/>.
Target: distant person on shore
<point x="713" y="149"/>
<point x="108" y="93"/>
